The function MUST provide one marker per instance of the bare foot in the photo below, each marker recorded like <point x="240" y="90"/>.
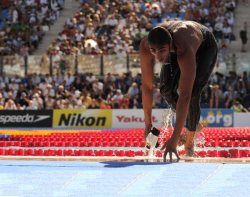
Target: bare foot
<point x="203" y="124"/>
<point x="189" y="144"/>
<point x="187" y="138"/>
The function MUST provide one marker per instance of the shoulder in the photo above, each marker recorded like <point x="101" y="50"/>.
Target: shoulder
<point x="187" y="27"/>
<point x="188" y="34"/>
<point x="182" y="28"/>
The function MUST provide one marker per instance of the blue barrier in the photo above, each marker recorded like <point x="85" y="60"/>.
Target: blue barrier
<point x="218" y="117"/>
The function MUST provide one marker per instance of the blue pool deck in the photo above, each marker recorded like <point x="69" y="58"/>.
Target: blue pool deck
<point x="132" y="179"/>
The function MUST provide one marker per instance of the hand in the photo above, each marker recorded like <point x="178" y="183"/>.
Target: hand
<point x="170" y="147"/>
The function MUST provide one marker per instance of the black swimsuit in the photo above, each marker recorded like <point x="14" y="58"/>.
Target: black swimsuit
<point x="170" y="74"/>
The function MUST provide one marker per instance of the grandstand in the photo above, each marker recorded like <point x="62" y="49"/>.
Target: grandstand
<point x="71" y="90"/>
<point x="65" y="42"/>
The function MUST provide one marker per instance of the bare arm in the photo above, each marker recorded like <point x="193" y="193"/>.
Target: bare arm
<point x="187" y="47"/>
<point x="147" y="69"/>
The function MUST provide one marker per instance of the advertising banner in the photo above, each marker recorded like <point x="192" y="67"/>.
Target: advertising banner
<point x="134" y="118"/>
<point x="218" y="117"/>
<point x="27" y="118"/>
<point x="90" y="118"/>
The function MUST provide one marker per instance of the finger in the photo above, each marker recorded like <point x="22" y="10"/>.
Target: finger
<point x="165" y="156"/>
<point x="177" y="155"/>
<point x="170" y="156"/>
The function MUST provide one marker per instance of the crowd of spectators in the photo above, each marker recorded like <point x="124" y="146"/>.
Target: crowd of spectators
<point x="24" y="23"/>
<point x="108" y="27"/>
<point x="231" y="91"/>
<point x="86" y="91"/>
<point x="104" y="26"/>
<point x="116" y="27"/>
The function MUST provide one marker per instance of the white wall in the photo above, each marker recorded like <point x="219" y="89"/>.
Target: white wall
<point x="242" y="119"/>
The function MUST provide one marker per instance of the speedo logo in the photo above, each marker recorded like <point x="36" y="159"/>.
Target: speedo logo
<point x="81" y="120"/>
<point x="27" y="118"/>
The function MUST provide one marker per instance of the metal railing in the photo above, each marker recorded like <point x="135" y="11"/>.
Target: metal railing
<point x="96" y="64"/>
<point x="55" y="64"/>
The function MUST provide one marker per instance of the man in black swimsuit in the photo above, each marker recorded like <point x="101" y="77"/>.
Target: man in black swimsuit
<point x="188" y="53"/>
